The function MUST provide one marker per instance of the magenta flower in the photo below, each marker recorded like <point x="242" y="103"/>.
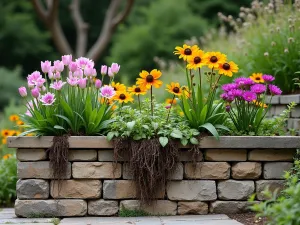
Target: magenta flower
<point x="227" y="108"/>
<point x="58" y="66"/>
<point x="35" y="92"/>
<point x="249" y="96"/>
<point x="57" y="85"/>
<point x="82" y="62"/>
<point x="274" y="90"/>
<point x="258" y="88"/>
<point x="109" y="72"/>
<point x="103" y="70"/>
<point x="66" y="59"/>
<point x="82" y="83"/>
<point x="98" y="83"/>
<point x="23" y="91"/>
<point x="228" y="87"/>
<point x="48" y="99"/>
<point x="115" y="67"/>
<point x="243" y="82"/>
<point x="226" y="97"/>
<point x="73" y="66"/>
<point x="236" y="93"/>
<point x="45" y="66"/>
<point x="268" y="78"/>
<point x="168" y="106"/>
<point x="107" y="92"/>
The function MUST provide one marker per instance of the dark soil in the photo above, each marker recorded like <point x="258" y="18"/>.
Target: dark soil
<point x="248" y="219"/>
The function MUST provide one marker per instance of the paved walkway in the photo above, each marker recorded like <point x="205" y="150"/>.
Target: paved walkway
<point x="7" y="216"/>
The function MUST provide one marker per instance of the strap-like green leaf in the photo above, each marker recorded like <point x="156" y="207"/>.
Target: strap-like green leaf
<point x="211" y="129"/>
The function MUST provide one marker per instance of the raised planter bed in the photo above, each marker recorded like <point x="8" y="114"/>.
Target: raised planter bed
<point x="226" y="174"/>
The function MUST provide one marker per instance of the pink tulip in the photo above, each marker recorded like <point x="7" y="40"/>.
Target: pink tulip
<point x="73" y="81"/>
<point x="78" y="73"/>
<point x="58" y="65"/>
<point x="35" y="92"/>
<point x="23" y="91"/>
<point x="56" y="75"/>
<point x="48" y="99"/>
<point x="110" y="73"/>
<point x="103" y="70"/>
<point x="82" y="83"/>
<point x="73" y="66"/>
<point x="107" y="92"/>
<point x="45" y="66"/>
<point x="66" y="59"/>
<point x="82" y="62"/>
<point x="98" y="83"/>
<point x="33" y="79"/>
<point x="88" y="71"/>
<point x="57" y="85"/>
<point x="115" y="67"/>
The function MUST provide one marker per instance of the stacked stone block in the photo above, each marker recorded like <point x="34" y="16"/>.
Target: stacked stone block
<point x="220" y="181"/>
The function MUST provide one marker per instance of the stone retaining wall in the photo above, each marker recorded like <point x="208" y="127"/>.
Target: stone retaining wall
<point x="220" y="182"/>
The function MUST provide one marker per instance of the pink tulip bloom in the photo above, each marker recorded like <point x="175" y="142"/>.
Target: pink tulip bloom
<point x="43" y="89"/>
<point x="57" y="85"/>
<point x="45" y="66"/>
<point x="82" y="62"/>
<point x="23" y="91"/>
<point x="88" y="71"/>
<point x="82" y="83"/>
<point x="35" y="92"/>
<point x="40" y="82"/>
<point x="33" y="78"/>
<point x="115" y="67"/>
<point x="110" y="73"/>
<point x="94" y="72"/>
<point x="28" y="113"/>
<point x="58" y="66"/>
<point x="73" y="81"/>
<point x="78" y="73"/>
<point x="66" y="59"/>
<point x="48" y="99"/>
<point x="73" y="66"/>
<point x="98" y="83"/>
<point x="56" y="75"/>
<point x="103" y="70"/>
<point x="107" y="92"/>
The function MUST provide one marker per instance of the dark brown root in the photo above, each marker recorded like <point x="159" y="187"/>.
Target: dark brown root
<point x="58" y="155"/>
<point x="150" y="164"/>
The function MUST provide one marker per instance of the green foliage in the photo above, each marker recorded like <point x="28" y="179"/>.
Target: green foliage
<point x="154" y="33"/>
<point x="11" y="80"/>
<point x="283" y="209"/>
<point x="135" y="124"/>
<point x="8" y="180"/>
<point x="265" y="41"/>
<point x="124" y="212"/>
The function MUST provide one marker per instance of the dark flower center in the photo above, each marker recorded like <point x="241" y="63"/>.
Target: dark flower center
<point x="176" y="89"/>
<point x="115" y="88"/>
<point x="257" y="78"/>
<point x="149" y="78"/>
<point x="187" y="51"/>
<point x="226" y="66"/>
<point x="213" y="59"/>
<point x="122" y="97"/>
<point x="137" y="89"/>
<point x="197" y="60"/>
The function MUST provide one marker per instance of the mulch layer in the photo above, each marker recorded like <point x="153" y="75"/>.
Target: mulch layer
<point x="248" y="219"/>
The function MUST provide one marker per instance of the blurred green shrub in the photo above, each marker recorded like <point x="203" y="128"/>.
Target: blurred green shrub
<point x="10" y="82"/>
<point x="266" y="39"/>
<point x="155" y="32"/>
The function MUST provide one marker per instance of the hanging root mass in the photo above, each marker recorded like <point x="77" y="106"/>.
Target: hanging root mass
<point x="58" y="155"/>
<point x="150" y="164"/>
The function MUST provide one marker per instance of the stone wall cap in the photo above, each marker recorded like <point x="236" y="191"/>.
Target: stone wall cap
<point x="100" y="142"/>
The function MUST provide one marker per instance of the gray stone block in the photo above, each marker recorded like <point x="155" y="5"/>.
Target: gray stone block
<point x="278" y="110"/>
<point x="286" y="99"/>
<point x="296" y="112"/>
<point x="272" y="100"/>
<point x="235" y="190"/>
<point x="275" y="170"/>
<point x="102" y="207"/>
<point x="230" y="206"/>
<point x="272" y="185"/>
<point x="33" y="189"/>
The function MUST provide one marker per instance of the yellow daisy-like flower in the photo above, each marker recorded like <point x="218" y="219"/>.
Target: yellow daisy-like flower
<point x="7" y="156"/>
<point x="260" y="104"/>
<point x="228" y="68"/>
<point x="14" y="118"/>
<point x="5" y="133"/>
<point x="257" y="77"/>
<point x="213" y="59"/>
<point x="196" y="60"/>
<point x="4" y="141"/>
<point x="171" y="101"/>
<point x="174" y="88"/>
<point x="185" y="51"/>
<point x="118" y="86"/>
<point x="137" y="90"/>
<point x="14" y="133"/>
<point x="123" y="97"/>
<point x="149" y="79"/>
<point x="20" y="123"/>
<point x="186" y="92"/>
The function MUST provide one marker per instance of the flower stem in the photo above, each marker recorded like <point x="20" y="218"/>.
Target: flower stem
<point x="139" y="103"/>
<point x="170" y="107"/>
<point x="151" y="101"/>
<point x="200" y="78"/>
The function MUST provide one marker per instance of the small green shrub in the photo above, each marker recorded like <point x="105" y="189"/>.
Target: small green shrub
<point x="124" y="212"/>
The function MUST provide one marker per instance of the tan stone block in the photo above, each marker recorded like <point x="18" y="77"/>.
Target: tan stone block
<point x="50" y="208"/>
<point x="96" y="170"/>
<point x="127" y="175"/>
<point x="207" y="170"/>
<point x="82" y="155"/>
<point x="271" y="155"/>
<point x="102" y="207"/>
<point x="188" y="156"/>
<point x="223" y="155"/>
<point x="108" y="156"/>
<point x="80" y="189"/>
<point x="33" y="154"/>
<point x="194" y="208"/>
<point x="33" y="189"/>
<point x="246" y="170"/>
<point x="39" y="169"/>
<point x="230" y="207"/>
<point x="159" y="207"/>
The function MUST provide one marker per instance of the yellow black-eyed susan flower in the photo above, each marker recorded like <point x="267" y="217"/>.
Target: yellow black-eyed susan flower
<point x="171" y="101"/>
<point x="174" y="88"/>
<point x="118" y="86"/>
<point x="185" y="51"/>
<point x="14" y="118"/>
<point x="5" y="133"/>
<point x="149" y="79"/>
<point x="213" y="59"/>
<point x="123" y="97"/>
<point x="137" y="90"/>
<point x="196" y="60"/>
<point x="228" y="68"/>
<point x="257" y="77"/>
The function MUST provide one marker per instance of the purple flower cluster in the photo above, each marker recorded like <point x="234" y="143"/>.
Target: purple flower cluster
<point x="247" y="90"/>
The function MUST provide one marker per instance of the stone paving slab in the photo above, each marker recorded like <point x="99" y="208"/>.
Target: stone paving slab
<point x="15" y="220"/>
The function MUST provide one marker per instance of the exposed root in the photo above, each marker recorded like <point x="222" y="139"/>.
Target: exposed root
<point x="149" y="164"/>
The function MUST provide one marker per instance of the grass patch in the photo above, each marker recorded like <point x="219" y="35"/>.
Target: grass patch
<point x="55" y="221"/>
<point x="132" y="213"/>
